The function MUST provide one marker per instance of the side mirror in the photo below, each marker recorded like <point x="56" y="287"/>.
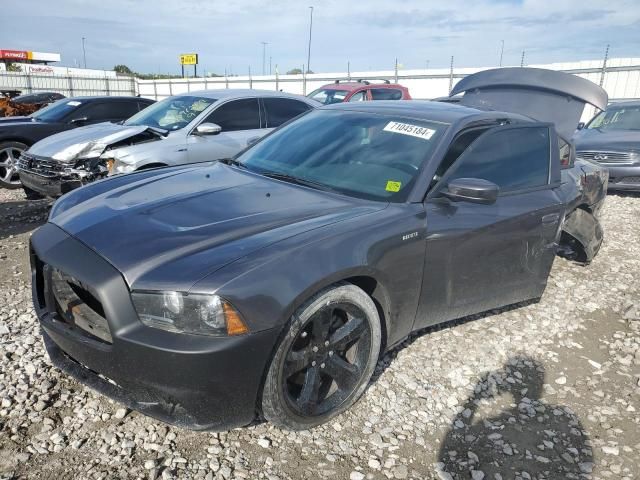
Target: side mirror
<point x="208" y="129"/>
<point x="581" y="125"/>
<point x="79" y="120"/>
<point x="474" y="190"/>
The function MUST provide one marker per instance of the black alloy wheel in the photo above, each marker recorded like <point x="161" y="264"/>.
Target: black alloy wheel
<point x="326" y="360"/>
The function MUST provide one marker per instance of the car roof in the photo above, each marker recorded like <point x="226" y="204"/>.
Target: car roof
<point x="628" y="103"/>
<point x="356" y="85"/>
<point x="232" y="93"/>
<point x="424" y="110"/>
<point x="115" y="98"/>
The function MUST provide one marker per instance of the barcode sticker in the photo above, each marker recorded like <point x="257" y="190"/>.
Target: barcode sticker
<point x="408" y="129"/>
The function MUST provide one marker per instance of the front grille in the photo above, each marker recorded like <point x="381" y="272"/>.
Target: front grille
<point x="76" y="306"/>
<point x="45" y="167"/>
<point x="606" y="157"/>
<point x="626" y="180"/>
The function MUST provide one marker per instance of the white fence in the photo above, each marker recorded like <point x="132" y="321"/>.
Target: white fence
<point x="620" y="77"/>
<point x="68" y="85"/>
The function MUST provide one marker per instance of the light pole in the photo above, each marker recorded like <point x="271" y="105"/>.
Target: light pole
<point x="309" y="49"/>
<point x="84" y="54"/>
<point x="264" y="53"/>
<point x="501" y="52"/>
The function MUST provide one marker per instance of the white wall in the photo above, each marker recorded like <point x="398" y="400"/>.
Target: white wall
<point x="622" y="80"/>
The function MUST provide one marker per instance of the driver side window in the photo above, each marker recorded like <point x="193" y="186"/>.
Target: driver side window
<point x="237" y="115"/>
<point x="514" y="159"/>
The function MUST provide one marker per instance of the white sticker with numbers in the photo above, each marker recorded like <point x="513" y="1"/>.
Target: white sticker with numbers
<point x="408" y="129"/>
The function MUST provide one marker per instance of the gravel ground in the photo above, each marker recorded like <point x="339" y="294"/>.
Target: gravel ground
<point x="547" y="390"/>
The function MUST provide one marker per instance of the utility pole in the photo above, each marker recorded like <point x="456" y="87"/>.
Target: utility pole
<point x="522" y="59"/>
<point x="84" y="53"/>
<point x="310" y="30"/>
<point x="501" y="52"/>
<point x="427" y="67"/>
<point x="270" y="58"/>
<point x="451" y="75"/>
<point x="604" y="65"/>
<point x="264" y="53"/>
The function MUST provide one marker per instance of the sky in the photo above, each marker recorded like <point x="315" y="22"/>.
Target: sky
<point x="148" y="35"/>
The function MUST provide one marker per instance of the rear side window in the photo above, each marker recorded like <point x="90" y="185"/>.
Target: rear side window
<point x="281" y="110"/>
<point x="386" y="94"/>
<point x="110" y="110"/>
<point x="237" y="115"/>
<point x="513" y="159"/>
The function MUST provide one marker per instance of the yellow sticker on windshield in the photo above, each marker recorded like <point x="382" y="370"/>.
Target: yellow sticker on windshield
<point x="393" y="186"/>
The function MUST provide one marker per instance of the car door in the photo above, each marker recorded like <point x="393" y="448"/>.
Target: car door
<point x="240" y="122"/>
<point x="484" y="256"/>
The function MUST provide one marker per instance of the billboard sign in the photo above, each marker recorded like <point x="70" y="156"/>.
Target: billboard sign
<point x="188" y="59"/>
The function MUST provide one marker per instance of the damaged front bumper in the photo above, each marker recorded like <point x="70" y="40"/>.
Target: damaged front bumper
<point x="53" y="178"/>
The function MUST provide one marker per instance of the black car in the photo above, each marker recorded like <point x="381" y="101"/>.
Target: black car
<point x="38" y="97"/>
<point x="19" y="133"/>
<point x="270" y="284"/>
<point x="612" y="139"/>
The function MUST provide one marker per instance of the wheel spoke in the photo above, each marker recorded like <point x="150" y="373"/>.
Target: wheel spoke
<point x="296" y="361"/>
<point x="345" y="374"/>
<point x="347" y="333"/>
<point x="308" y="398"/>
<point x="321" y="325"/>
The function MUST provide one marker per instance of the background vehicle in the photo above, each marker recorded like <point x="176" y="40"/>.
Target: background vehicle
<point x="194" y="127"/>
<point x="612" y="139"/>
<point x="277" y="278"/>
<point x="19" y="133"/>
<point x="27" y="104"/>
<point x="360" y="90"/>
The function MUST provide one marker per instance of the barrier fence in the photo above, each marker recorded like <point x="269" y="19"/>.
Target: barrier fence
<point x="619" y="76"/>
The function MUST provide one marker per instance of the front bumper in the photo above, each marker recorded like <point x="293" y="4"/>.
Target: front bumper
<point x="50" y="186"/>
<point x="197" y="382"/>
<point x="624" y="177"/>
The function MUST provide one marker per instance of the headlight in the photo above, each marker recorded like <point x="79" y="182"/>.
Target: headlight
<point x="188" y="313"/>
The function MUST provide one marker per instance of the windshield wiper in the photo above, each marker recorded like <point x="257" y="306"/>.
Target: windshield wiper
<point x="297" y="180"/>
<point x="234" y="162"/>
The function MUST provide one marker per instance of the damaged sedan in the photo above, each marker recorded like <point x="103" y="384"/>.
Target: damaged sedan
<point x="268" y="285"/>
<point x="194" y="127"/>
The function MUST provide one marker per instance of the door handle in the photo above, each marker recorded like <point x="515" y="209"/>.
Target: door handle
<point x="550" y="218"/>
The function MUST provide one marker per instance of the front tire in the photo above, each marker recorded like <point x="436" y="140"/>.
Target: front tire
<point x="326" y="359"/>
<point x="9" y="154"/>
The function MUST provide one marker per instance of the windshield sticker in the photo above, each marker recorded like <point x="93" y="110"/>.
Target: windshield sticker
<point x="73" y="103"/>
<point x="408" y="129"/>
<point x="393" y="186"/>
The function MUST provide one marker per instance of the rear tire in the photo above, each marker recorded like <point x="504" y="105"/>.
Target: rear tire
<point x="326" y="359"/>
<point x="9" y="154"/>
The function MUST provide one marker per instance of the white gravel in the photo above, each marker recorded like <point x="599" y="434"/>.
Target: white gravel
<point x="547" y="390"/>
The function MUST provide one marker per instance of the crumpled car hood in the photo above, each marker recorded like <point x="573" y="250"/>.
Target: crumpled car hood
<point x="169" y="228"/>
<point x="619" y="140"/>
<point x="85" y="142"/>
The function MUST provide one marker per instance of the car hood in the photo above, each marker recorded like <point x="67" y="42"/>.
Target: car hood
<point x="594" y="139"/>
<point x="168" y="228"/>
<point x="86" y="142"/>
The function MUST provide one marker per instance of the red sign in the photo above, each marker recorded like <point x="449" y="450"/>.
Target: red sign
<point x="14" y="55"/>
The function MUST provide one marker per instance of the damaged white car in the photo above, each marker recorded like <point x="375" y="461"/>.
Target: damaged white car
<point x="188" y="128"/>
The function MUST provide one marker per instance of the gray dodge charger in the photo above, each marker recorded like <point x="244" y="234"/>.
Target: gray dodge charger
<point x="268" y="285"/>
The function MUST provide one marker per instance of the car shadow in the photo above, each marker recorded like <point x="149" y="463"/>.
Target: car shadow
<point x="387" y="358"/>
<point x="22" y="216"/>
<point x="505" y="430"/>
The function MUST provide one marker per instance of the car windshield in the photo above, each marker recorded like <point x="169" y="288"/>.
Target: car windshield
<point x="619" y="118"/>
<point x="371" y="156"/>
<point x="56" y="111"/>
<point x="328" y="95"/>
<point x="172" y="113"/>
